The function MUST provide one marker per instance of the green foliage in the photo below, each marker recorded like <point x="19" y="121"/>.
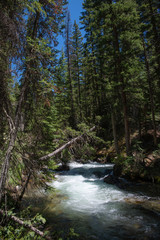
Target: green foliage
<point x="83" y="127"/>
<point x="14" y="231"/>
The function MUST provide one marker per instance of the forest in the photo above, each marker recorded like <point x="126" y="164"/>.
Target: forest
<point x="97" y="99"/>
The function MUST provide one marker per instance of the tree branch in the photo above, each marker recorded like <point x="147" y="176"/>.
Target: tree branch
<point x="10" y="121"/>
<point x="18" y="220"/>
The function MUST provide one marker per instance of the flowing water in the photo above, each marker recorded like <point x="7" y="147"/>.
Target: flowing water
<point x="96" y="210"/>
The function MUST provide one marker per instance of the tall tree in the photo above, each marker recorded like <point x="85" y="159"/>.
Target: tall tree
<point x="151" y="36"/>
<point x="91" y="61"/>
<point x="61" y="93"/>
<point x="118" y="34"/>
<point x="68" y="47"/>
<point x="44" y="18"/>
<point x="77" y="57"/>
<point x="10" y="36"/>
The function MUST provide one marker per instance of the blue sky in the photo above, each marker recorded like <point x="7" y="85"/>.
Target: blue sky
<point x="75" y="8"/>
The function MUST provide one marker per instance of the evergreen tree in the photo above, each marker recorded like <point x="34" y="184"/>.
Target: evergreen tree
<point x="61" y="92"/>
<point x="119" y="33"/>
<point x="10" y="38"/>
<point x="150" y="36"/>
<point x="77" y="57"/>
<point x="43" y="21"/>
<point x="91" y="68"/>
<point x="68" y="47"/>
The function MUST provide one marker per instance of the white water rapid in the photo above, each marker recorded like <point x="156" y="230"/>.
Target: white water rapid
<point x="97" y="210"/>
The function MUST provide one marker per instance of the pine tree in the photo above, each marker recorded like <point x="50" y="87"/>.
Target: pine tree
<point x="118" y="34"/>
<point x="10" y="37"/>
<point x="43" y="24"/>
<point x="70" y="84"/>
<point x="150" y="36"/>
<point x="127" y="44"/>
<point x="77" y="57"/>
<point x="91" y="62"/>
<point x="61" y="91"/>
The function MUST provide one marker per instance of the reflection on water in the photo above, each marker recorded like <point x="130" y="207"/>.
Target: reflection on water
<point x="95" y="209"/>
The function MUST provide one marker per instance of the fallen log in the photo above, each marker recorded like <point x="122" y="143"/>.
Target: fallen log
<point x="21" y="222"/>
<point x="64" y="146"/>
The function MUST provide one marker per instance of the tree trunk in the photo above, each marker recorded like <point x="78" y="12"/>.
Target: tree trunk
<point x="14" y="130"/>
<point x="126" y="122"/>
<point x="68" y="53"/>
<point x="79" y="93"/>
<point x="24" y="187"/>
<point x="122" y="88"/>
<point x="139" y="125"/>
<point x="150" y="94"/>
<point x="114" y="132"/>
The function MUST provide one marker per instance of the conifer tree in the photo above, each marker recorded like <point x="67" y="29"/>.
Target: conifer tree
<point x="150" y="38"/>
<point x="68" y="48"/>
<point x="91" y="62"/>
<point x="61" y="92"/>
<point x="77" y="48"/>
<point x="43" y="21"/>
<point x="10" y="38"/>
<point x="119" y="34"/>
<point x="127" y="44"/>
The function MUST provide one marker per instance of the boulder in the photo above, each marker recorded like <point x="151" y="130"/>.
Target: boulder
<point x="117" y="170"/>
<point x="119" y="182"/>
<point x="98" y="174"/>
<point x="110" y="179"/>
<point x="63" y="167"/>
<point x="149" y="204"/>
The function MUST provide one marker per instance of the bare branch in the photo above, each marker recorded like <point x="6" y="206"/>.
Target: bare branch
<point x="18" y="220"/>
<point x="10" y="121"/>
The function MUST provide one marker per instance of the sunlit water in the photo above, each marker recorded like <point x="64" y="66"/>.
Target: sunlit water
<point x="97" y="210"/>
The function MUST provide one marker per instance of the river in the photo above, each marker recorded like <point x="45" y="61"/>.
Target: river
<point x="96" y="210"/>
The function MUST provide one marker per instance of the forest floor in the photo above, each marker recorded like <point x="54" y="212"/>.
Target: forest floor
<point x="144" y="162"/>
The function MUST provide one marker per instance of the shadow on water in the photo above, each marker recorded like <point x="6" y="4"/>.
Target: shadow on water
<point x="144" y="189"/>
<point x="99" y="172"/>
<point x="121" y="222"/>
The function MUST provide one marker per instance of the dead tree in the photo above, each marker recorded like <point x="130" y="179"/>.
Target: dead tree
<point x="21" y="222"/>
<point x="66" y="145"/>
